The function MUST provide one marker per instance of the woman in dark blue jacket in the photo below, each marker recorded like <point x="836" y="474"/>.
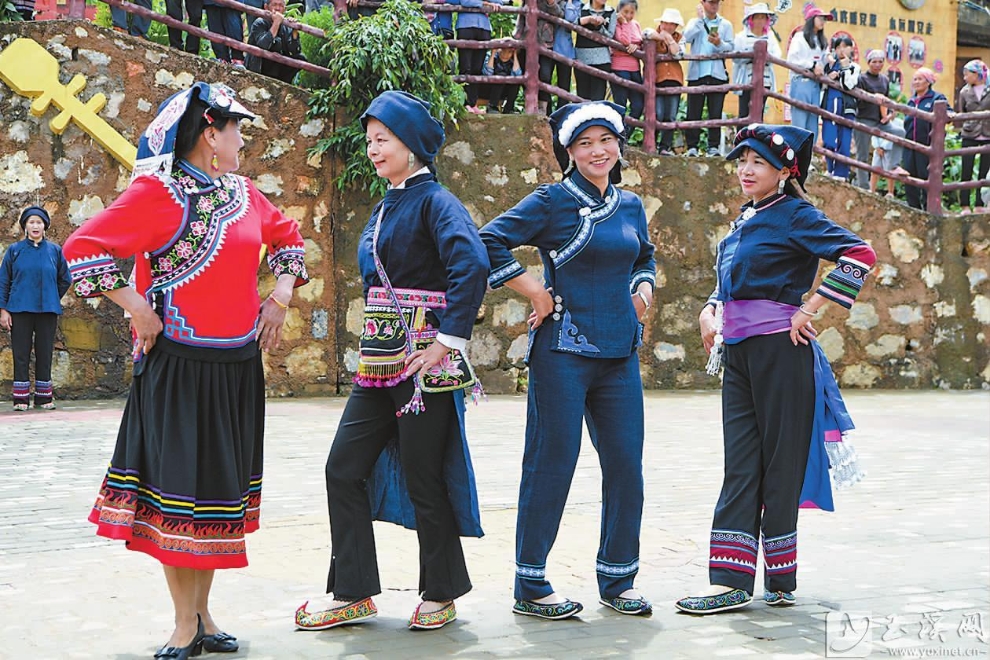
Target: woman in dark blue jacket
<point x="599" y="275"/>
<point x="919" y="130"/>
<point x="33" y="279"/>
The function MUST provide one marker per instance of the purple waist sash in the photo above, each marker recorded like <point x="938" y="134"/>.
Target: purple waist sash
<point x="749" y="318"/>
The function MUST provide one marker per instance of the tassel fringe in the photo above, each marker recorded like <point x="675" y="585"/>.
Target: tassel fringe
<point x="715" y="357"/>
<point x="844" y="466"/>
<point x="477" y="392"/>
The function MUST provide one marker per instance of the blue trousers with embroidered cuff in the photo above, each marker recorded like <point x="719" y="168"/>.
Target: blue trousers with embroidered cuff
<point x="608" y="394"/>
<point x="768" y="407"/>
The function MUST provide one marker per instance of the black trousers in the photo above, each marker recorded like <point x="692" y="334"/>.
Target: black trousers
<point x="695" y="107"/>
<point x="368" y="423"/>
<point x="545" y="73"/>
<point x="195" y="10"/>
<point x="228" y="22"/>
<point x="589" y="87"/>
<point x="768" y="406"/>
<point x="917" y="166"/>
<point x="33" y="331"/>
<point x="968" y="165"/>
<point x="470" y="61"/>
<point x="744" y="99"/>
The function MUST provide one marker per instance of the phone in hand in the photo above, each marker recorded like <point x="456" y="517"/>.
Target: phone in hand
<point x="712" y="30"/>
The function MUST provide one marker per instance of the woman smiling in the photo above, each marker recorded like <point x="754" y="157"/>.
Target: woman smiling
<point x="782" y="415"/>
<point x="584" y="331"/>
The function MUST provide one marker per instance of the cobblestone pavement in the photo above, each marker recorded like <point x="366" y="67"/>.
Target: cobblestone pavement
<point x="910" y="545"/>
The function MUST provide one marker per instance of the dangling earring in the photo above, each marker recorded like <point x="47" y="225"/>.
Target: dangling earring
<point x="412" y="160"/>
<point x="215" y="164"/>
<point x="780" y="186"/>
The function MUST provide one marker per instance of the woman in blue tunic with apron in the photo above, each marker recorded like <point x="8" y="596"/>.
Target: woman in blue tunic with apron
<point x="782" y="415"/>
<point x="400" y="453"/>
<point x="584" y="332"/>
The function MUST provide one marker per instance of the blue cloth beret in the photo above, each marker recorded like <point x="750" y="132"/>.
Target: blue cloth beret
<point x="38" y="211"/>
<point x="409" y="118"/>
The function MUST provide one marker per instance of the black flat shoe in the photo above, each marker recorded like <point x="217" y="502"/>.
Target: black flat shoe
<point x="220" y="643"/>
<point x="185" y="652"/>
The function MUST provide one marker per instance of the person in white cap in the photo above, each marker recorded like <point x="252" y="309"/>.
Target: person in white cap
<point x="668" y="73"/>
<point x="757" y="20"/>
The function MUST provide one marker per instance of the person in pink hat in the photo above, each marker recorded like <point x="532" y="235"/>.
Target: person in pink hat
<point x="807" y="51"/>
<point x="919" y="130"/>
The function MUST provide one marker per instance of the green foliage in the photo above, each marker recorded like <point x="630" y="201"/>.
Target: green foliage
<point x="393" y="49"/>
<point x="503" y="25"/>
<point x="9" y="13"/>
<point x="312" y="47"/>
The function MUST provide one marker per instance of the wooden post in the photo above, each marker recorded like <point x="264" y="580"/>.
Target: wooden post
<point x="649" y="96"/>
<point x="758" y="95"/>
<point x="532" y="59"/>
<point x="936" y="163"/>
<point x="77" y="8"/>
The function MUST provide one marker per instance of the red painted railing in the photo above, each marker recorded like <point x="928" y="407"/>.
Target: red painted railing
<point x="939" y="117"/>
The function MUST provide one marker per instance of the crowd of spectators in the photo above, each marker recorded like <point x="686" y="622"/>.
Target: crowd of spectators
<point x="813" y="56"/>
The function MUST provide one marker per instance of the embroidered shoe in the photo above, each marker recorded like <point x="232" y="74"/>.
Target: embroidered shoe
<point x="432" y="620"/>
<point x="357" y="612"/>
<point x="634" y="606"/>
<point x="730" y="600"/>
<point x="778" y="598"/>
<point x="555" y="612"/>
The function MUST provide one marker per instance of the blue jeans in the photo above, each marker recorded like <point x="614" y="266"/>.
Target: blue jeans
<point x="564" y="391"/>
<point x="138" y="24"/>
<point x="623" y="95"/>
<point x="228" y="22"/>
<point x="808" y="91"/>
<point x="667" y="108"/>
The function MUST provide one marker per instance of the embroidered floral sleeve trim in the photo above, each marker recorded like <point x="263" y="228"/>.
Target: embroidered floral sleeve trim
<point x="289" y="260"/>
<point x="94" y="276"/>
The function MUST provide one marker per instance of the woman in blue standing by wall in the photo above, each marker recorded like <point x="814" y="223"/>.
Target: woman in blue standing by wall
<point x="33" y="278"/>
<point x="584" y="331"/>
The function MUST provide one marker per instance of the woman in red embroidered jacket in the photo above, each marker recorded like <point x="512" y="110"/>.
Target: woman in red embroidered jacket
<point x="184" y="483"/>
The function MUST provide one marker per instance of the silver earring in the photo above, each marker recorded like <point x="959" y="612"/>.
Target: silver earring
<point x="412" y="160"/>
<point x="780" y="185"/>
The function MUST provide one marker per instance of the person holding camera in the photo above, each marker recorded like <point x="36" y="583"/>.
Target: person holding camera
<point x="840" y="67"/>
<point x="807" y="51"/>
<point x="708" y="34"/>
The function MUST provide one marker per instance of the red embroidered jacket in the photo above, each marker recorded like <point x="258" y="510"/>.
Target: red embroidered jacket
<point x="196" y="244"/>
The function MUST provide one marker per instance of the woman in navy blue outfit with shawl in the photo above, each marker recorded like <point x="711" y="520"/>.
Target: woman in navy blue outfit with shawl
<point x="584" y="332"/>
<point x="400" y="453"/>
<point x="782" y="415"/>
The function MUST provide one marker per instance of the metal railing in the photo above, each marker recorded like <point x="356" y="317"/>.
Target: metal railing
<point x="939" y="118"/>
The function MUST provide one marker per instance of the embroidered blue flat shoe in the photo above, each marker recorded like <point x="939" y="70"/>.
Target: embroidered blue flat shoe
<point x="555" y="612"/>
<point x="778" y="598"/>
<point x="634" y="606"/>
<point x="730" y="600"/>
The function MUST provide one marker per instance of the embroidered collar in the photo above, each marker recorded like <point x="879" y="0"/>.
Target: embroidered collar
<point x="197" y="174"/>
<point x="749" y="209"/>
<point x="591" y="190"/>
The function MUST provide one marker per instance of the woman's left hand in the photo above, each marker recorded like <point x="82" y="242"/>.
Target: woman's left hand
<point x="421" y="361"/>
<point x="801" y="329"/>
<point x="640" y="307"/>
<point x="270" y="321"/>
<point x="631" y="48"/>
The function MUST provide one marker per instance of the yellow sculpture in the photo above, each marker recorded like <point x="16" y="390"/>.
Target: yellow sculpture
<point x="31" y="71"/>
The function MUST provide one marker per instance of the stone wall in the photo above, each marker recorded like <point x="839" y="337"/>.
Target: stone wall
<point x="74" y="178"/>
<point x="921" y="322"/>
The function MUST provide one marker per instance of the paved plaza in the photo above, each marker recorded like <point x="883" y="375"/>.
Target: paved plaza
<point x="909" y="546"/>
